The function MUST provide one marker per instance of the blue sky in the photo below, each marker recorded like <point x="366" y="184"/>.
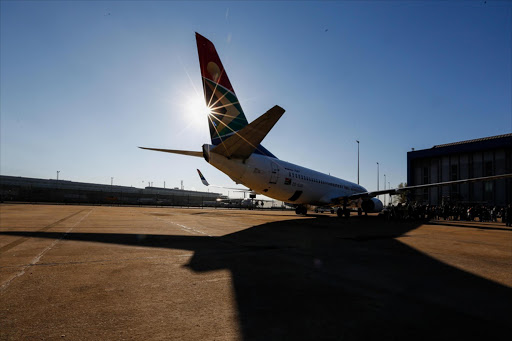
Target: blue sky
<point x="84" y="83"/>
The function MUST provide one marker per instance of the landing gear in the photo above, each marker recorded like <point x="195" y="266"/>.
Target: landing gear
<point x="301" y="210"/>
<point x="343" y="211"/>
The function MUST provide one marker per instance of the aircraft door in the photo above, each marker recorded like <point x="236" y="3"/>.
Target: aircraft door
<point x="274" y="175"/>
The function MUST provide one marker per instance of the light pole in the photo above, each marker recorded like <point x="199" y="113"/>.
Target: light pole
<point x="357" y="161"/>
<point x="111" y="180"/>
<point x="377" y="177"/>
<point x="390" y="198"/>
<point x="384" y="189"/>
<point x="58" y="175"/>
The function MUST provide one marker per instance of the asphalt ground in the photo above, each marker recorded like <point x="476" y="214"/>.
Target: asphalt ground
<point x="132" y="273"/>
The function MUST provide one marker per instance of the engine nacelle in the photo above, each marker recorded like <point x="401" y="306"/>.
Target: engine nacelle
<point x="372" y="205"/>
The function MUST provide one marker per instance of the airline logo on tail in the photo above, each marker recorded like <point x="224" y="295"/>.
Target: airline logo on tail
<point x="203" y="180"/>
<point x="226" y="115"/>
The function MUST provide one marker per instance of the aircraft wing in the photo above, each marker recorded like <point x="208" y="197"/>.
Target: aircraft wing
<point x="393" y="191"/>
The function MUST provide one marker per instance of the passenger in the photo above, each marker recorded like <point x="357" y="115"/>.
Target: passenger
<point x="494" y="214"/>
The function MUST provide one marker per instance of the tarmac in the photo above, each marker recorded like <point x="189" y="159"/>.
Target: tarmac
<point x="145" y="273"/>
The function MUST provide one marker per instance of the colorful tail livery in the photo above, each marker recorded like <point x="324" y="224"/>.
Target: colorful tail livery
<point x="226" y="115"/>
<point x="203" y="180"/>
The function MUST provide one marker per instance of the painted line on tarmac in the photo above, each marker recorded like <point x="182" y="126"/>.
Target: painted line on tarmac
<point x="186" y="228"/>
<point x="37" y="258"/>
<point x="24" y="239"/>
<point x="117" y="260"/>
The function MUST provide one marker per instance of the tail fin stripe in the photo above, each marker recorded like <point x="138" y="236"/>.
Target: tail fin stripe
<point x="234" y="133"/>
<point x="215" y="127"/>
<point x="225" y="136"/>
<point x="229" y="110"/>
<point x="231" y="97"/>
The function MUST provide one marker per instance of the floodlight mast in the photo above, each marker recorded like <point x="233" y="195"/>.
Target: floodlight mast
<point x="357" y="161"/>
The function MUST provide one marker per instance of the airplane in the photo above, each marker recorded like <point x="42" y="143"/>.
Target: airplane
<point x="236" y="151"/>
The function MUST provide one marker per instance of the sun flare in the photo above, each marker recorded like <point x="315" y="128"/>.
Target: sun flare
<point x="195" y="110"/>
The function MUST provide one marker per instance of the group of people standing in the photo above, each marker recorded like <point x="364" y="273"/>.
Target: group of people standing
<point x="481" y="213"/>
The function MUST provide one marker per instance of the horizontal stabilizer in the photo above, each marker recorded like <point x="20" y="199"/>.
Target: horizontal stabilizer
<point x="244" y="142"/>
<point x="183" y="152"/>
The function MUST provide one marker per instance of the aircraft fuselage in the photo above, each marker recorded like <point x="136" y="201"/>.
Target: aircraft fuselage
<point x="286" y="181"/>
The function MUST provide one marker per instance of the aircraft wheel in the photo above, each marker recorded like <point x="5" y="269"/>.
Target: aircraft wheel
<point x="347" y="213"/>
<point x="339" y="212"/>
<point x="301" y="210"/>
<point x="316" y="210"/>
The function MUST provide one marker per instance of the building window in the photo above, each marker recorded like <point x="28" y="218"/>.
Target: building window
<point x="426" y="176"/>
<point x="488" y="168"/>
<point x="453" y="173"/>
<point x="488" y="191"/>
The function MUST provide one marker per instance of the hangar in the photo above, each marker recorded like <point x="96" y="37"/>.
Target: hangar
<point x="463" y="160"/>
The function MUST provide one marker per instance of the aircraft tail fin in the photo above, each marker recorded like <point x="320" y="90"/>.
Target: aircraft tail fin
<point x="226" y="115"/>
<point x="203" y="179"/>
<point x="247" y="140"/>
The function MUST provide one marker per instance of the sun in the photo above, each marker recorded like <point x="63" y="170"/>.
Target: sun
<point x="195" y="110"/>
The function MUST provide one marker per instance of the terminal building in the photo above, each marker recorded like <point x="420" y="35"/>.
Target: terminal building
<point x="14" y="188"/>
<point x="462" y="160"/>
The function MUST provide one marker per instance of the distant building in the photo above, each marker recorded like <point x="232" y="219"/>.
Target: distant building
<point x="15" y="188"/>
<point x="463" y="160"/>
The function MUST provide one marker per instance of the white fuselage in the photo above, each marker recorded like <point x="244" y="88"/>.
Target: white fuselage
<point x="285" y="181"/>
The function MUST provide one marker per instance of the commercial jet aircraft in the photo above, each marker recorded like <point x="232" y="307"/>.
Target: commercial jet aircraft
<point x="235" y="150"/>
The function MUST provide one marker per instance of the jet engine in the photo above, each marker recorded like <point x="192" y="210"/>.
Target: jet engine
<point x="372" y="205"/>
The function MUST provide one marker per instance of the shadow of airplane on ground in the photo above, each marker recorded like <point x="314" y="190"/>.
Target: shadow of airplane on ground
<point x="312" y="279"/>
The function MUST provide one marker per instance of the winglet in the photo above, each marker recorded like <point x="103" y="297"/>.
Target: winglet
<point x="203" y="180"/>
